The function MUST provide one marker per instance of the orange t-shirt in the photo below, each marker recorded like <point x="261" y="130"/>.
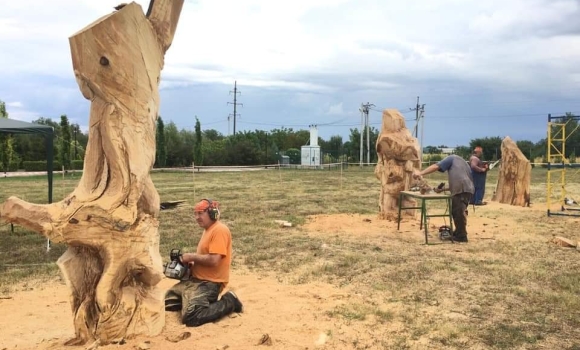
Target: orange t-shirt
<point x="216" y="239"/>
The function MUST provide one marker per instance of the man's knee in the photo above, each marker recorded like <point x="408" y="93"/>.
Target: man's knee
<point x="192" y="322"/>
<point x="192" y="318"/>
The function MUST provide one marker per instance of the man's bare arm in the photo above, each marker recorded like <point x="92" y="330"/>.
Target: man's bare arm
<point x="428" y="170"/>
<point x="210" y="260"/>
<point x="474" y="166"/>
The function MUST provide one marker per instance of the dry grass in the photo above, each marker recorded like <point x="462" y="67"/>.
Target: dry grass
<point x="519" y="293"/>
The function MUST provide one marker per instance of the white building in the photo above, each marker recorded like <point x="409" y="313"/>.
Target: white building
<point x="311" y="152"/>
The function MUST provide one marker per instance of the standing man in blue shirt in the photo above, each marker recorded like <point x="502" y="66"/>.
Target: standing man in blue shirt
<point x="460" y="186"/>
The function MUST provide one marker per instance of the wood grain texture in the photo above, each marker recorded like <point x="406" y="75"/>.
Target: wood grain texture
<point x="110" y="220"/>
<point x="515" y="175"/>
<point x="398" y="156"/>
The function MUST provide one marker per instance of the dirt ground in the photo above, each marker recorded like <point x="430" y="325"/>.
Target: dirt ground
<point x="292" y="316"/>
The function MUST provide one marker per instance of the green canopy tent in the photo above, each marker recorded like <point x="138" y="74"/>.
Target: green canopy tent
<point x="11" y="126"/>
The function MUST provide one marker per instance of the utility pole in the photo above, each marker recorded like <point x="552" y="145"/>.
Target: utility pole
<point x="419" y="116"/>
<point x="362" y="123"/>
<point x="422" y="116"/>
<point x="235" y="103"/>
<point x="75" y="128"/>
<point x="416" y="109"/>
<point x="364" y="109"/>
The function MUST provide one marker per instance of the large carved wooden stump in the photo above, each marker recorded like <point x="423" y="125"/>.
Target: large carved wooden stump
<point x="109" y="222"/>
<point x="513" y="181"/>
<point x="398" y="155"/>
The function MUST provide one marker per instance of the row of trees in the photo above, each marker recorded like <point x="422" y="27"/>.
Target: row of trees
<point x="176" y="148"/>
<point x="69" y="145"/>
<point x="209" y="147"/>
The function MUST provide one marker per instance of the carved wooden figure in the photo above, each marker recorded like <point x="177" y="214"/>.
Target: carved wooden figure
<point x="513" y="181"/>
<point x="112" y="265"/>
<point x="398" y="156"/>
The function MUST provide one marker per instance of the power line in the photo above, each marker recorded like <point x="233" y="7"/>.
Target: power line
<point x="419" y="116"/>
<point x="235" y="103"/>
<point x="210" y="123"/>
<point x="380" y="110"/>
<point x="337" y="123"/>
<point x="332" y="123"/>
<point x="499" y="116"/>
<point x="305" y="125"/>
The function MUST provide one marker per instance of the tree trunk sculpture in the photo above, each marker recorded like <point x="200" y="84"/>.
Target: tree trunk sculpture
<point x="112" y="264"/>
<point x="398" y="156"/>
<point x="513" y="181"/>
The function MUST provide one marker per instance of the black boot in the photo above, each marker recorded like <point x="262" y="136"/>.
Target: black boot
<point x="231" y="297"/>
<point x="461" y="238"/>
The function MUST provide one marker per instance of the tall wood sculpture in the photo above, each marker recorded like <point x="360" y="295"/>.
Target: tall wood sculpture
<point x="112" y="264"/>
<point x="398" y="156"/>
<point x="513" y="181"/>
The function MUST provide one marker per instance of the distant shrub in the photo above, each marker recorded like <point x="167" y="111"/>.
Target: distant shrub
<point x="40" y="165"/>
<point x="77" y="165"/>
<point x="435" y="158"/>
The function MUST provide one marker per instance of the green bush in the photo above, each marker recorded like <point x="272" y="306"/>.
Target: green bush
<point x="40" y="165"/>
<point x="11" y="167"/>
<point x="77" y="164"/>
<point x="435" y="158"/>
<point x="294" y="155"/>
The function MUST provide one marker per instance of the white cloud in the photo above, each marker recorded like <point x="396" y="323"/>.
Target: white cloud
<point x="14" y="104"/>
<point x="335" y="109"/>
<point x="272" y="43"/>
<point x="22" y="114"/>
<point x="304" y="98"/>
<point x="322" y="51"/>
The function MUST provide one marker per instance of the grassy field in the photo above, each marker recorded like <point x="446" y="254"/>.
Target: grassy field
<point x="520" y="293"/>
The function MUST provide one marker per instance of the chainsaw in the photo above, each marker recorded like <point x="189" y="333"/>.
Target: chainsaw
<point x="492" y="165"/>
<point x="175" y="268"/>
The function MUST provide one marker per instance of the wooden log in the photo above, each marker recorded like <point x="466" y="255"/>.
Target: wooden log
<point x="112" y="264"/>
<point x="398" y="156"/>
<point x="513" y="182"/>
<point x="564" y="242"/>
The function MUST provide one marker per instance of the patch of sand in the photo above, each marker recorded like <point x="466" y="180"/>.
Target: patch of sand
<point x="38" y="316"/>
<point x="292" y="316"/>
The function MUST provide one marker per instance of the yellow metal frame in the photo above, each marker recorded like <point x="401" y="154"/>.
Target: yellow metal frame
<point x="556" y="155"/>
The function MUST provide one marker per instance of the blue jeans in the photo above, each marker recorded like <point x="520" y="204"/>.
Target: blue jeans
<point x="479" y="184"/>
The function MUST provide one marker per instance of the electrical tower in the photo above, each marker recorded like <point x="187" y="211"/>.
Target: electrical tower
<point x="235" y="103"/>
<point x="364" y="110"/>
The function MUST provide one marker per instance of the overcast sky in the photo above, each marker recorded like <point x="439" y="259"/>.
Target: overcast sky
<point x="482" y="68"/>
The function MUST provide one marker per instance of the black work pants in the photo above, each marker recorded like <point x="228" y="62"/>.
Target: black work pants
<point x="459" y="203"/>
<point x="198" y="302"/>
